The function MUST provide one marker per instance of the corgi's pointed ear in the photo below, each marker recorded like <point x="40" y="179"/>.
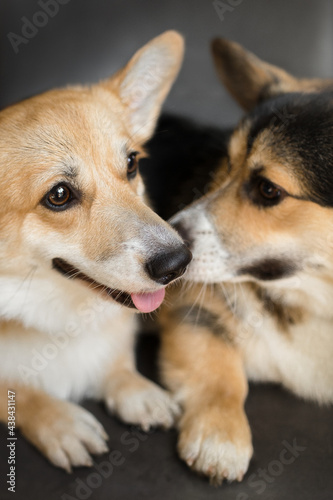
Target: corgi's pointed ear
<point x="143" y="84"/>
<point x="251" y="80"/>
<point x="248" y="79"/>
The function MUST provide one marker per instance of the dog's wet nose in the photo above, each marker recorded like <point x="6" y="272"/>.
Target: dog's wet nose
<point x="169" y="265"/>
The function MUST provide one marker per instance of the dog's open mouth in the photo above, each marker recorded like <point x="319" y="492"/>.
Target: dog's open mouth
<point x="144" y="302"/>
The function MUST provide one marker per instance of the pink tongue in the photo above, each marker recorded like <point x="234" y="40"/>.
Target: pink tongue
<point x="148" y="302"/>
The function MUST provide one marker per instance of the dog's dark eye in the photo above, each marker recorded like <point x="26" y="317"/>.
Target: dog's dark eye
<point x="263" y="192"/>
<point x="269" y="190"/>
<point x="59" y="198"/>
<point x="132" y="165"/>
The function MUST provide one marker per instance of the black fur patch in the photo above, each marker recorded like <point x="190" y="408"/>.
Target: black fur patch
<point x="269" y="269"/>
<point x="284" y="315"/>
<point x="301" y="127"/>
<point x="183" y="159"/>
<point x="202" y="317"/>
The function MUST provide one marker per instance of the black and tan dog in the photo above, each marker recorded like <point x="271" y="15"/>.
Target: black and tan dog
<point x="262" y="238"/>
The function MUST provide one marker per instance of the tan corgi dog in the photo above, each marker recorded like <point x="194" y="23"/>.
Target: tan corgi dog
<point x="261" y="239"/>
<point x="81" y="253"/>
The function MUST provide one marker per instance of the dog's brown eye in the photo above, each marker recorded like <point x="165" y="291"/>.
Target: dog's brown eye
<point x="269" y="190"/>
<point x="59" y="197"/>
<point x="132" y="165"/>
<point x="263" y="192"/>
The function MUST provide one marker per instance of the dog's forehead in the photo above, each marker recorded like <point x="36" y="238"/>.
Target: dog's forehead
<point x="293" y="134"/>
<point x="295" y="118"/>
<point x="64" y="129"/>
<point x="76" y="114"/>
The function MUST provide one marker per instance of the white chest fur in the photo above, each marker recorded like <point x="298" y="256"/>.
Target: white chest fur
<point x="59" y="337"/>
<point x="300" y="357"/>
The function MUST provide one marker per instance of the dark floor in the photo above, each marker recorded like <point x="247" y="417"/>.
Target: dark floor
<point x="85" y="41"/>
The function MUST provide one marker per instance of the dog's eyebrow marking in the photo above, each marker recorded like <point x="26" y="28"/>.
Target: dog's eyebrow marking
<point x="70" y="171"/>
<point x="257" y="170"/>
<point x="203" y="318"/>
<point x="125" y="149"/>
<point x="260" y="124"/>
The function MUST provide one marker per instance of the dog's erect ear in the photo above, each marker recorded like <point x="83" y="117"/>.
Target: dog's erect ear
<point x="251" y="80"/>
<point x="143" y="84"/>
<point x="248" y="79"/>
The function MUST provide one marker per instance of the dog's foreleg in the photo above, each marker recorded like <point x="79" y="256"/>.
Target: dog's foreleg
<point x="132" y="397"/>
<point x="64" y="432"/>
<point x="204" y="372"/>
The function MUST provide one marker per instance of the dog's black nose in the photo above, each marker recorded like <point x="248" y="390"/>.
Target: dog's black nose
<point x="169" y="265"/>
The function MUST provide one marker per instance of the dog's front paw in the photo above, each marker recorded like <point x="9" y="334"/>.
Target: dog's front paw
<point x="136" y="400"/>
<point x="217" y="443"/>
<point x="66" y="434"/>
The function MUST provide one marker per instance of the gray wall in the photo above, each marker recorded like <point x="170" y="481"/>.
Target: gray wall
<point x="89" y="39"/>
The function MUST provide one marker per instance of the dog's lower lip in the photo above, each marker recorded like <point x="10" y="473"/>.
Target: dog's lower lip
<point x="72" y="272"/>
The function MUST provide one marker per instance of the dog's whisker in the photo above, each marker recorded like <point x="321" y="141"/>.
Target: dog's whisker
<point x="225" y="294"/>
<point x="202" y="299"/>
<point x="33" y="271"/>
<point x="28" y="278"/>
<point x="194" y="304"/>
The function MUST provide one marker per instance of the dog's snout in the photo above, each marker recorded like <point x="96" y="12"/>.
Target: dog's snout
<point x="183" y="232"/>
<point x="168" y="265"/>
